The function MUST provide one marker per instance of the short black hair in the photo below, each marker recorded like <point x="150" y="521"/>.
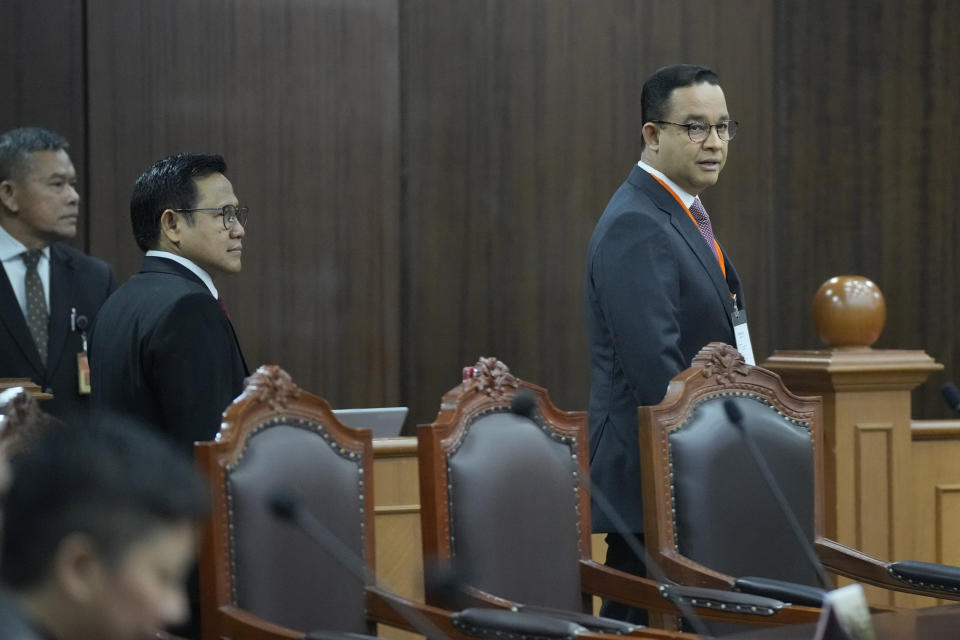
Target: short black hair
<point x="655" y="96"/>
<point x="16" y="145"/>
<point x="114" y="481"/>
<point x="168" y="184"/>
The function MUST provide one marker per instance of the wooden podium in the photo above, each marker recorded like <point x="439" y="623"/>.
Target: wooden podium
<point x="869" y="501"/>
<point x="868" y="458"/>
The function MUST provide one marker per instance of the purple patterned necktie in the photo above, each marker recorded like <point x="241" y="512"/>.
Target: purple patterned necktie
<point x="706" y="229"/>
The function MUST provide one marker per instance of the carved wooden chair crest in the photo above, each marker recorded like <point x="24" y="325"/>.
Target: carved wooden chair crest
<point x="21" y="418"/>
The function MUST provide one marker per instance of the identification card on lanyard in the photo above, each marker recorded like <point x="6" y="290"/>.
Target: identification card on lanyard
<point x="742" y="333"/>
<point x="80" y="323"/>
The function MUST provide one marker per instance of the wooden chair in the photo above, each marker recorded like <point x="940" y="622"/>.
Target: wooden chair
<point x="21" y="419"/>
<point x="505" y="508"/>
<point x="709" y="517"/>
<point x="17" y="408"/>
<point x="263" y="579"/>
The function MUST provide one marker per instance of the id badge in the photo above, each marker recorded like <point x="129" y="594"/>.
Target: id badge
<point x="83" y="373"/>
<point x="742" y="334"/>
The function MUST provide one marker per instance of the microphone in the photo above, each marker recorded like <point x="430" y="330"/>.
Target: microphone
<point x="735" y="416"/>
<point x="443" y="582"/>
<point x="286" y="505"/>
<point x="951" y="395"/>
<point x="524" y="404"/>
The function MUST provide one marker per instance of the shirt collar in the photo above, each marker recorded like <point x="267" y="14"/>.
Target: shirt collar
<point x="685" y="197"/>
<point x="189" y="264"/>
<point x="11" y="248"/>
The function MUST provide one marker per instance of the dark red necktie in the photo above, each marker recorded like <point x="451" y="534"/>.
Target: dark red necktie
<point x="223" y="306"/>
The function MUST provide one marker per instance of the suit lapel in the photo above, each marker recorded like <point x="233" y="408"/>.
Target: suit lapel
<point x="12" y="318"/>
<point x="688" y="231"/>
<point x="694" y="240"/>
<point x="236" y="342"/>
<point x="62" y="291"/>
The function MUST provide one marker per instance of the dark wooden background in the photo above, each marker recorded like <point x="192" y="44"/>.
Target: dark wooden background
<point x="424" y="175"/>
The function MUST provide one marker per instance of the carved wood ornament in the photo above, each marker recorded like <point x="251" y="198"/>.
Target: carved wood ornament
<point x="271" y="385"/>
<point x="721" y="362"/>
<point x="494" y="378"/>
<point x="17" y="410"/>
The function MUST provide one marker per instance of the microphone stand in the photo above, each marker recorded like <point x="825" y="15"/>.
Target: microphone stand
<point x="286" y="505"/>
<point x="736" y="418"/>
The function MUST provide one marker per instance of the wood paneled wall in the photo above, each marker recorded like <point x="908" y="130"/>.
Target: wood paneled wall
<point x="42" y="58"/>
<point x="866" y="170"/>
<point x="302" y="99"/>
<point x="424" y="175"/>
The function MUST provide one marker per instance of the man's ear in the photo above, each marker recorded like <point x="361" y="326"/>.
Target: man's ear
<point x="8" y="196"/>
<point x="651" y="136"/>
<point x="171" y="225"/>
<point x="78" y="568"/>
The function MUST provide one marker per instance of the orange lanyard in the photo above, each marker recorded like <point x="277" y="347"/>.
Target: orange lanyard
<point x="723" y="267"/>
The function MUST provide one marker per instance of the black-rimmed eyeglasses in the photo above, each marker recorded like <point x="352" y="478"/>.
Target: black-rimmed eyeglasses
<point x="230" y="214"/>
<point x="699" y="131"/>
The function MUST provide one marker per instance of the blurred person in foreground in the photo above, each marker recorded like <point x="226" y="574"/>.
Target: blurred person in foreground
<point x="99" y="535"/>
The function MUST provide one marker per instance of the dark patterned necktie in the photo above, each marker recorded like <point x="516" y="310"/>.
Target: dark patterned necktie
<point x="706" y="229"/>
<point x="37" y="316"/>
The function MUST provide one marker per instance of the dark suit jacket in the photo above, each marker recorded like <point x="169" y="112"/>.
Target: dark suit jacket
<point x="163" y="351"/>
<point x="655" y="295"/>
<point x="77" y="281"/>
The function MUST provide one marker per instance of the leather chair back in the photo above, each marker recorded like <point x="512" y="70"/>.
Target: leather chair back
<point x="503" y="496"/>
<point x="725" y="516"/>
<point x="508" y="470"/>
<point x="279" y="573"/>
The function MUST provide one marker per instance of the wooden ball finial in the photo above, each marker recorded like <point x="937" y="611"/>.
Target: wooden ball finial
<point x="849" y="311"/>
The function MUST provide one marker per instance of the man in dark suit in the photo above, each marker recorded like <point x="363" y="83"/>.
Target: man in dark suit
<point x="49" y="291"/>
<point x="164" y="349"/>
<point x="658" y="287"/>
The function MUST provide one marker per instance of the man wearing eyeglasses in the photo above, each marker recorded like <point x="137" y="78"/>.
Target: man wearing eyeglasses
<point x="163" y="348"/>
<point x="658" y="287"/>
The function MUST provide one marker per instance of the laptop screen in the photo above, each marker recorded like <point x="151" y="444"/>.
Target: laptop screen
<point x="384" y="422"/>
